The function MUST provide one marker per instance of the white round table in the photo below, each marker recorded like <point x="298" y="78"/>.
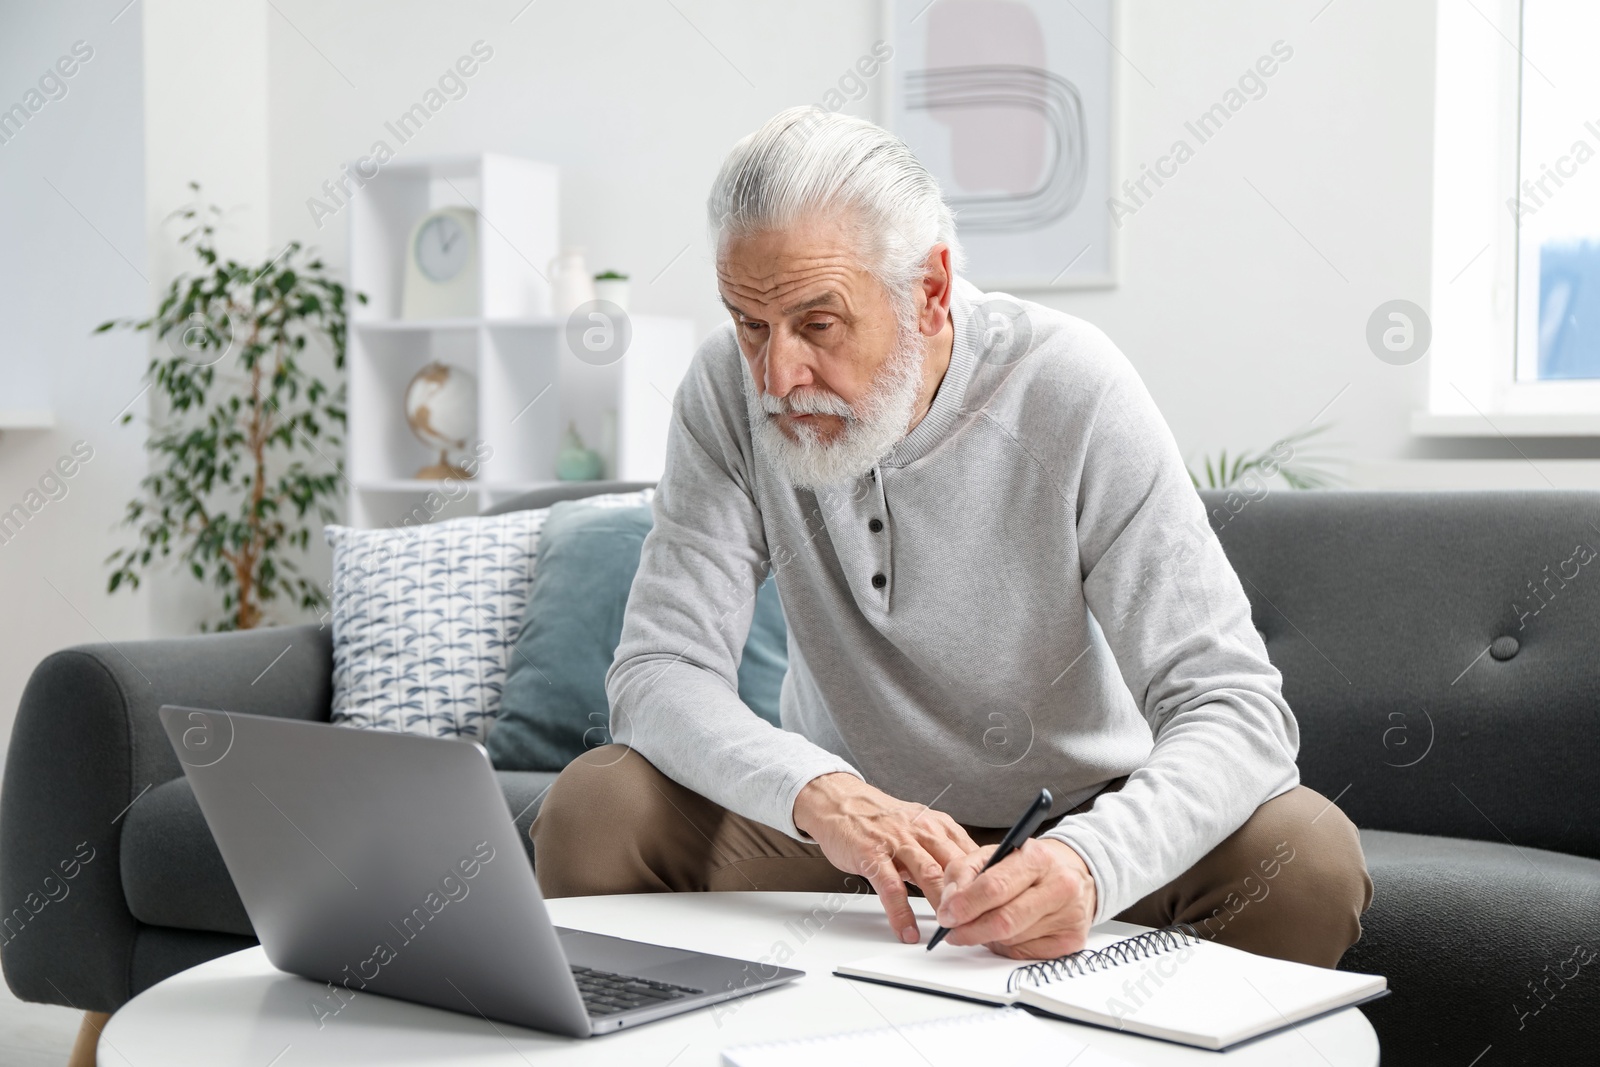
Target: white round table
<point x="240" y="1010"/>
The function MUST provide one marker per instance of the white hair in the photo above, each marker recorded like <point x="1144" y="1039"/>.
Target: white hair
<point x="807" y="161"/>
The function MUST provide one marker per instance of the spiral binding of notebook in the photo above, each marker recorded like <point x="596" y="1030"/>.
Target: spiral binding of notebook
<point x="1139" y="947"/>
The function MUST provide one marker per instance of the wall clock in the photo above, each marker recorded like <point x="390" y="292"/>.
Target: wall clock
<point x="441" y="280"/>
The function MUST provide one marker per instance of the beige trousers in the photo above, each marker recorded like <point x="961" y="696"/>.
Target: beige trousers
<point x="1290" y="883"/>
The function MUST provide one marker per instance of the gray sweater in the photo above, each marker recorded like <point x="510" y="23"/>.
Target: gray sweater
<point x="1054" y="611"/>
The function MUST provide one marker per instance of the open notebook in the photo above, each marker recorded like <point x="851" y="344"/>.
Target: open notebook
<point x="957" y="1041"/>
<point x="1163" y="983"/>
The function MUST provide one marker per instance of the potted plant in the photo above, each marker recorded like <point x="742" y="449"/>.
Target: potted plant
<point x="613" y="286"/>
<point x="1285" y="459"/>
<point x="245" y="442"/>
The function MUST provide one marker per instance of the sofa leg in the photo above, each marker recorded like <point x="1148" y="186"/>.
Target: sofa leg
<point x="83" y="1049"/>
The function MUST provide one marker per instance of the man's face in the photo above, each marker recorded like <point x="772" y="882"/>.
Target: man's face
<point x="833" y="376"/>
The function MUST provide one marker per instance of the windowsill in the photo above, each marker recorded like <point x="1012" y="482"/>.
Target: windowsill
<point x="1508" y="424"/>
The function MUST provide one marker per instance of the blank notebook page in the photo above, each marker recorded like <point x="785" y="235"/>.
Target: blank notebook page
<point x="1007" y="1036"/>
<point x="1207" y="994"/>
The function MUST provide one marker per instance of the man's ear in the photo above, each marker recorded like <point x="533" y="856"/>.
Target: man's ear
<point x="938" y="285"/>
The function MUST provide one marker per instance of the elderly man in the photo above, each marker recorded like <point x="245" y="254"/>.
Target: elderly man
<point x="997" y="577"/>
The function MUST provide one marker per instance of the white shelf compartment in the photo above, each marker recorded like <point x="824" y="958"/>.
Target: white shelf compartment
<point x="382" y="447"/>
<point x="530" y="385"/>
<point x="516" y="201"/>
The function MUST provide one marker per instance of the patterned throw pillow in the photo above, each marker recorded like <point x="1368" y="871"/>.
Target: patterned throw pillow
<point x="425" y="618"/>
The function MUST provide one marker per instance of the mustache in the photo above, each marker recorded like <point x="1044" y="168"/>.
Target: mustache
<point x="808" y="403"/>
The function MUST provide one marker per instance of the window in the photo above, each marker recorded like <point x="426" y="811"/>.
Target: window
<point x="1514" y="296"/>
<point x="1558" y="210"/>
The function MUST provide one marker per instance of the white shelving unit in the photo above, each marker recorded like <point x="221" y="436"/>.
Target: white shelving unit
<point x="530" y="385"/>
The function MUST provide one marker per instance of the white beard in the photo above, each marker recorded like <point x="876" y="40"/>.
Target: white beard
<point x="875" y="426"/>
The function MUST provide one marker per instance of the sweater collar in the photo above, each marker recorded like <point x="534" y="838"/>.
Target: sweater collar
<point x="952" y="392"/>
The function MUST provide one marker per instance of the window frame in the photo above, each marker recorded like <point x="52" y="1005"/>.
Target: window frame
<point x="1473" y="388"/>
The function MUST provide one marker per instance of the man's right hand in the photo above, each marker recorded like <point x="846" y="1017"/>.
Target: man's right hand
<point x="865" y="831"/>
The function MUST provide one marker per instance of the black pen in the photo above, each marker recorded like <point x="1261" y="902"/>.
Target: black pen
<point x="1013" y="840"/>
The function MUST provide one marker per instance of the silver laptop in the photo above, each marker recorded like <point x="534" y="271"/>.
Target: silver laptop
<point x="389" y="863"/>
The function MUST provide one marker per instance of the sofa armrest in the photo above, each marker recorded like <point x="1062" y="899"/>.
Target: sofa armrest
<point x="86" y="745"/>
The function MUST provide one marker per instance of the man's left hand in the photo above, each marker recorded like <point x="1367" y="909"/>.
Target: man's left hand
<point x="1037" y="903"/>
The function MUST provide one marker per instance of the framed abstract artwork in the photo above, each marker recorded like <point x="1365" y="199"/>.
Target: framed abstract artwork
<point x="1010" y="104"/>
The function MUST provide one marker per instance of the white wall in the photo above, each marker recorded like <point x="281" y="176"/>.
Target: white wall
<point x="1246" y="281"/>
<point x="1242" y="327"/>
<point x="626" y="96"/>
<point x="205" y="121"/>
<point x="74" y="256"/>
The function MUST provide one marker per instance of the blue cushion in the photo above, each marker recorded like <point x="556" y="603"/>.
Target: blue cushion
<point x="554" y="705"/>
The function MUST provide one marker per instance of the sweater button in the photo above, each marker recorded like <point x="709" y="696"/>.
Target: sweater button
<point x="879" y="581"/>
<point x="875" y="525"/>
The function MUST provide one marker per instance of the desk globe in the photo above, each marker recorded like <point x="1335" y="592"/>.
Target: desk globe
<point x="442" y="410"/>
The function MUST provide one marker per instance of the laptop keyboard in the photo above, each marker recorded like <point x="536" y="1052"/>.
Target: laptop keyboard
<point x="605" y="993"/>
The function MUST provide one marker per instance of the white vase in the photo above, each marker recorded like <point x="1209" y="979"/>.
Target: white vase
<point x="570" y="282"/>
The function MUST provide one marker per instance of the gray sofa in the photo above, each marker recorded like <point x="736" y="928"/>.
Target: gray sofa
<point x="1471" y="770"/>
